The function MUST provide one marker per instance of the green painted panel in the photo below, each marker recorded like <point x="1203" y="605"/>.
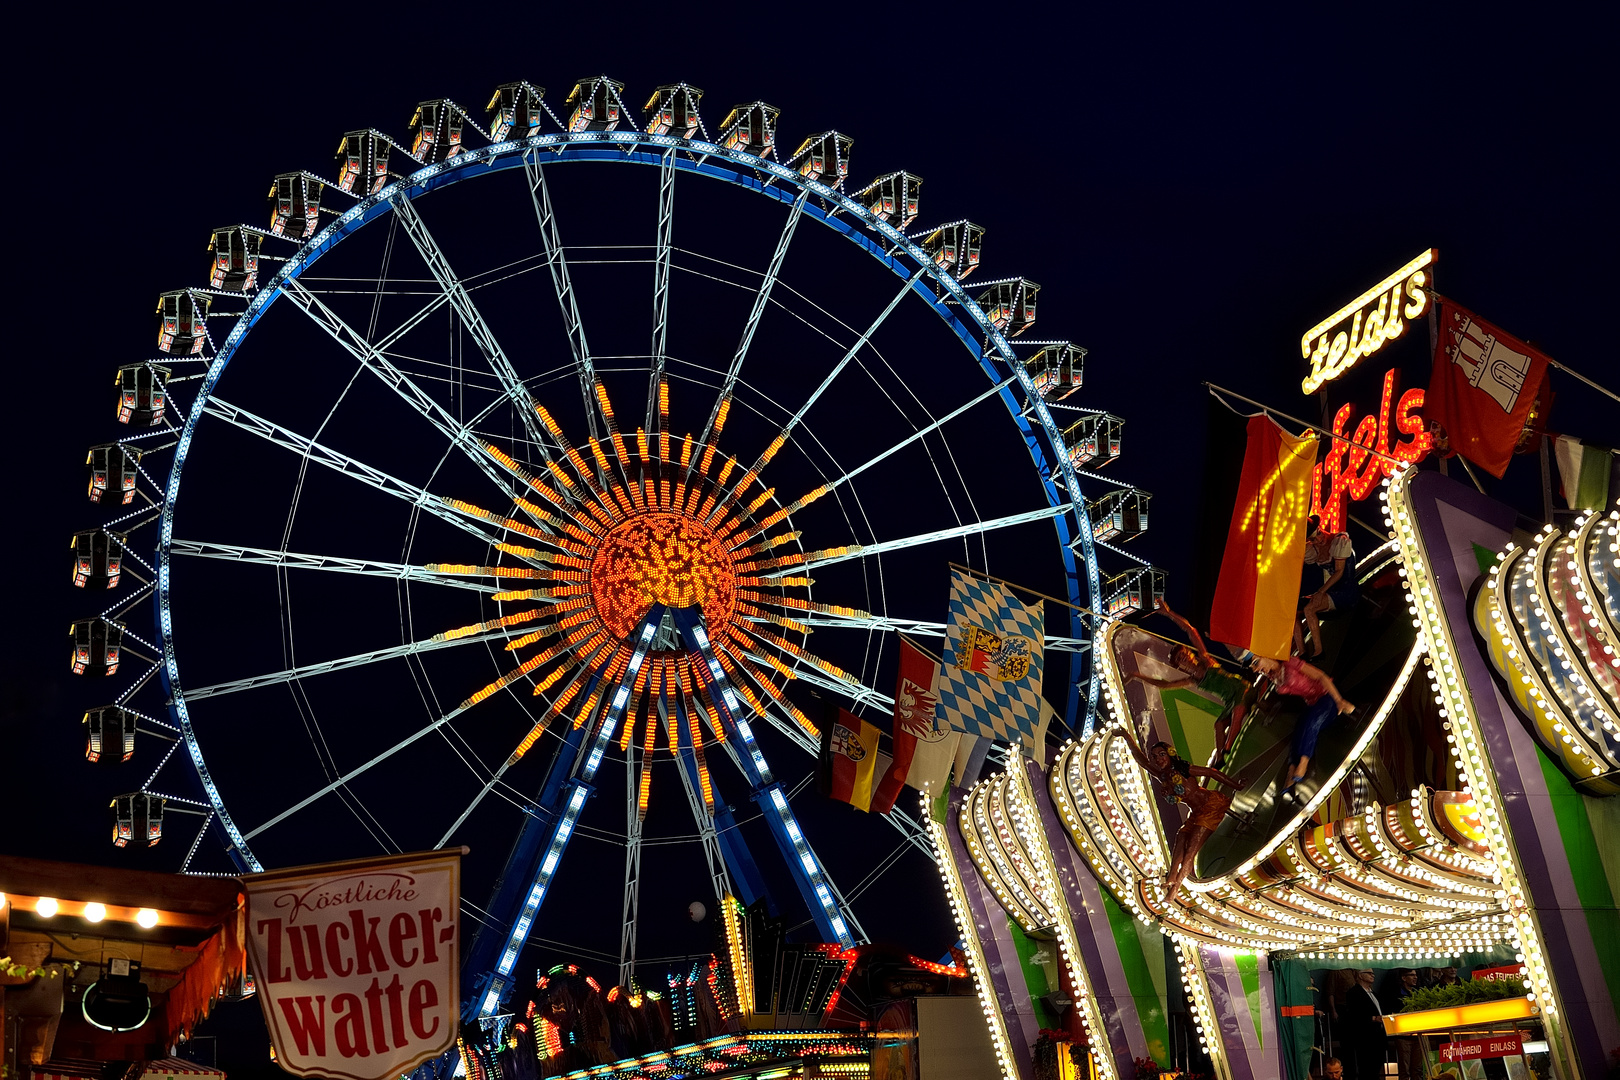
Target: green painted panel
<point x="1034" y="974"/>
<point x="1148" y="995"/>
<point x="1191" y="719"/>
<point x="1586" y="864"/>
<point x="1248" y="966"/>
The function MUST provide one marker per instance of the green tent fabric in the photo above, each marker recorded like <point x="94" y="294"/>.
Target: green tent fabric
<point x="1291" y="982"/>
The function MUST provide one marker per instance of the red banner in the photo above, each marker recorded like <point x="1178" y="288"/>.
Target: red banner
<point x="357" y="963"/>
<point x="1483" y="387"/>
<point x="1507" y="1044"/>
<point x="1513" y="972"/>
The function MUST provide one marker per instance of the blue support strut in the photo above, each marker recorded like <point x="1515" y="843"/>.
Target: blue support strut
<point x="491" y="987"/>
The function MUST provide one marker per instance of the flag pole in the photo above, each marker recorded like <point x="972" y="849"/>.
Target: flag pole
<point x="1218" y="390"/>
<point x="1550" y="361"/>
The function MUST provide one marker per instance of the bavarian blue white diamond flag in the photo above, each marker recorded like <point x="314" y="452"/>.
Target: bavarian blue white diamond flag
<point x="990" y="682"/>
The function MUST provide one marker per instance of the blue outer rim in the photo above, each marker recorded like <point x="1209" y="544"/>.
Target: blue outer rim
<point x="717" y="162"/>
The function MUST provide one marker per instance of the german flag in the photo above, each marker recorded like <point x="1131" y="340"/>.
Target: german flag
<point x="1258" y="591"/>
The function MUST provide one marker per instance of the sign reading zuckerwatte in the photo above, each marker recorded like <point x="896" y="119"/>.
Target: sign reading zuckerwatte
<point x="357" y="962"/>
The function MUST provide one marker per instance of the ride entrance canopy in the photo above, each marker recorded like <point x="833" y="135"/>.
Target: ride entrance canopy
<point x="487" y="500"/>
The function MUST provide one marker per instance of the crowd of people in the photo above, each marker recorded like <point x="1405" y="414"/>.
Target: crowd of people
<point x="1358" y="1024"/>
<point x="1328" y="585"/>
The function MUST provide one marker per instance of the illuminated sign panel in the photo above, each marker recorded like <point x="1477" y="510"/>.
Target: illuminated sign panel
<point x="1376" y="317"/>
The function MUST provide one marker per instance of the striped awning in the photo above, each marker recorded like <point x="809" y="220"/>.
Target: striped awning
<point x="178" y="1069"/>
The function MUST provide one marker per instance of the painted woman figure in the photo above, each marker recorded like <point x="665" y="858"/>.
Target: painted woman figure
<point x="1204" y="672"/>
<point x="1307" y="681"/>
<point x="1178" y="779"/>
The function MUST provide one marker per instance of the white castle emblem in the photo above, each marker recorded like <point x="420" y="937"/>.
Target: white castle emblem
<point x="1491" y="365"/>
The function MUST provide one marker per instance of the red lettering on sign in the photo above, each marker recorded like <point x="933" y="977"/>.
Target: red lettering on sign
<point x="428" y="917"/>
<point x="310" y="967"/>
<point x="1355" y="462"/>
<point x="1490" y="1046"/>
<point x="334" y="952"/>
<point x="365" y="943"/>
<point x="374" y="1010"/>
<point x="308" y="1023"/>
<point x="351" y="1028"/>
<point x="401" y="928"/>
<point x="424" y="998"/>
<point x="278" y="971"/>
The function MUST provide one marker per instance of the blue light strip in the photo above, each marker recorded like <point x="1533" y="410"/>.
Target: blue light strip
<point x="804" y="863"/>
<point x="579" y="790"/>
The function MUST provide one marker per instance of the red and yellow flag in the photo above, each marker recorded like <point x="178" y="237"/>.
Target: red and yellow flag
<point x="1257" y="594"/>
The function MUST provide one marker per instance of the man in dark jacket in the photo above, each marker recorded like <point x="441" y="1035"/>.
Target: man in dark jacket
<point x="1361" y="1028"/>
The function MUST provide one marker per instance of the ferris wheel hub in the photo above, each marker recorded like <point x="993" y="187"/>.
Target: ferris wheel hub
<point x="661" y="557"/>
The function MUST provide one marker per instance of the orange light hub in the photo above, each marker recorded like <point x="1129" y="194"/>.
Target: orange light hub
<point x="666" y="558"/>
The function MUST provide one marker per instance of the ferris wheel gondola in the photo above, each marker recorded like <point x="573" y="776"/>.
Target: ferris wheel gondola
<point x="642" y="580"/>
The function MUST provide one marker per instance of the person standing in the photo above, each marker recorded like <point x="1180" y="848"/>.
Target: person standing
<point x="1336" y="558"/>
<point x="1307" y="681"/>
<point x="1361" y="1029"/>
<point x="1408" y="1053"/>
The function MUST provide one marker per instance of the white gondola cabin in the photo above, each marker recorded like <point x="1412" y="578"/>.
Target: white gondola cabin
<point x="235" y="266"/>
<point x="97" y="644"/>
<point x="823" y="158"/>
<point x="955" y="247"/>
<point x="1136" y="590"/>
<point x="112" y="472"/>
<point x="1010" y="304"/>
<point x="750" y="128"/>
<point x="363" y="162"/>
<point x="109" y="735"/>
<point x="892" y="198"/>
<point x="436" y="131"/>
<point x="673" y="110"/>
<point x="1119" y="515"/>
<point x="1056" y="370"/>
<point x="1093" y="439"/>
<point x="137" y="819"/>
<point x="180" y="322"/>
<point x="295" y="209"/>
<point x="595" y="104"/>
<point x="515" y="111"/>
<point x="98" y="558"/>
<point x="142" y="393"/>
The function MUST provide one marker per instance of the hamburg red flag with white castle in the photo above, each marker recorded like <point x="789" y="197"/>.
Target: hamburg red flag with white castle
<point x="357" y="963"/>
<point x="1483" y="387"/>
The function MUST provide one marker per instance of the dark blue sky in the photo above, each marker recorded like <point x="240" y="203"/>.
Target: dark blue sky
<point x="1191" y="189"/>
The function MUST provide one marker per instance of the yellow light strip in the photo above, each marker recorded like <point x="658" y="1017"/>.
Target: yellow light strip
<point x="1481" y="1012"/>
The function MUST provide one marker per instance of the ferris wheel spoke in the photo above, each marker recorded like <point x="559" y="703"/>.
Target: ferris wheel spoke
<point x="348" y="466"/>
<point x="762" y="299"/>
<point x="860" y="342"/>
<point x="859" y="551"/>
<point x="855" y="690"/>
<point x="462" y="301"/>
<point x="557" y="263"/>
<point x="885" y="624"/>
<point x="304" y="561"/>
<point x="372" y="358"/>
<point x="666" y="229"/>
<point x="375" y="656"/>
<point x="918" y="434"/>
<point x="356" y="772"/>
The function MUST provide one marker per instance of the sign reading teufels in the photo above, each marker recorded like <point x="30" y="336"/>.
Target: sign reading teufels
<point x="1376" y="317"/>
<point x="356" y="962"/>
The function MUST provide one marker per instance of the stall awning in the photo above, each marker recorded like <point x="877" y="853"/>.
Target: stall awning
<point x="178" y="1069"/>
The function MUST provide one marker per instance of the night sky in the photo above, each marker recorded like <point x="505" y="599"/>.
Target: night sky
<point x="1191" y="191"/>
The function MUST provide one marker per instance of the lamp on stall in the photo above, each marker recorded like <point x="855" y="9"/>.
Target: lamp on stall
<point x="118" y="1000"/>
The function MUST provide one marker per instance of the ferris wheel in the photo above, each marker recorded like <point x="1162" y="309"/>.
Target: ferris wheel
<point x="616" y="458"/>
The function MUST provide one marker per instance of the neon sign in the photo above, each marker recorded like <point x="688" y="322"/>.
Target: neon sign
<point x="1356" y="462"/>
<point x="1376" y="317"/>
